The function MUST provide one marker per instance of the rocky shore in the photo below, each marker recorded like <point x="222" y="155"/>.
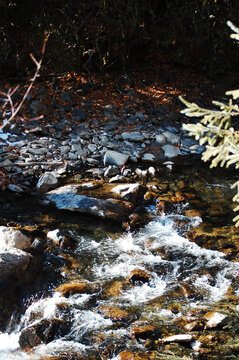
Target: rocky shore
<point x="73" y="135"/>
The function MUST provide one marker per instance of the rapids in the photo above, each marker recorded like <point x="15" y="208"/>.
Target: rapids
<point x="178" y="281"/>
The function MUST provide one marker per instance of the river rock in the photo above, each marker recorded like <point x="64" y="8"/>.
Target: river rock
<point x="133" y="136"/>
<point x="43" y="332"/>
<point x="12" y="238"/>
<point x="143" y="332"/>
<point x="66" y="198"/>
<point x="13" y="262"/>
<point x="114" y="313"/>
<point x="128" y="192"/>
<point x="46" y="182"/>
<point x="74" y="287"/>
<point x="112" y="157"/>
<point x="147" y="157"/>
<point x="170" y="151"/>
<point x="139" y="276"/>
<point x="215" y="319"/>
<point x="179" y="338"/>
<point x="160" y="139"/>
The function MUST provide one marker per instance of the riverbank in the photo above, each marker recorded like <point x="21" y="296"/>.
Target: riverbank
<point x="71" y="123"/>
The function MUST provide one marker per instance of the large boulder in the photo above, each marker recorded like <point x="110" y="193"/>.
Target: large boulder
<point x="67" y="198"/>
<point x="13" y="263"/>
<point x="12" y="238"/>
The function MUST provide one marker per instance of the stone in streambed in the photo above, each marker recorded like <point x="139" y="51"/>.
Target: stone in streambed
<point x="179" y="338"/>
<point x="112" y="157"/>
<point x="43" y="332"/>
<point x="46" y="182"/>
<point x="12" y="238"/>
<point x="143" y="332"/>
<point x="13" y="262"/>
<point x="74" y="287"/>
<point x="114" y="313"/>
<point x="128" y="192"/>
<point x="67" y="198"/>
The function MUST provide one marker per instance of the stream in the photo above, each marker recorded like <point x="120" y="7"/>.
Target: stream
<point x="121" y="295"/>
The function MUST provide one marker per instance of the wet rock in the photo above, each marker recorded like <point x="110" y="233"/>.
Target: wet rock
<point x="179" y="338"/>
<point x="66" y="198"/>
<point x="114" y="313"/>
<point x="128" y="192"/>
<point x="193" y="213"/>
<point x="143" y="332"/>
<point x="115" y="288"/>
<point x="46" y="182"/>
<point x="112" y="157"/>
<point x="13" y="262"/>
<point x="136" y="220"/>
<point x="193" y="326"/>
<point x="160" y="139"/>
<point x="128" y="355"/>
<point x="57" y="238"/>
<point x="43" y="332"/>
<point x="215" y="319"/>
<point x="133" y="136"/>
<point x="74" y="287"/>
<point x="12" y="238"/>
<point x="139" y="276"/>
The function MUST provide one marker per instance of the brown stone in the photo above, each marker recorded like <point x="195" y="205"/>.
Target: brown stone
<point x="115" y="288"/>
<point x="126" y="355"/>
<point x="143" y="332"/>
<point x="193" y="213"/>
<point x="74" y="287"/>
<point x="114" y="313"/>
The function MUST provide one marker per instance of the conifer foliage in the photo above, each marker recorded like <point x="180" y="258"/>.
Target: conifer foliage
<point x="216" y="132"/>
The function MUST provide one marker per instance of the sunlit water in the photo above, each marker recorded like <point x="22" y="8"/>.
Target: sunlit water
<point x="160" y="251"/>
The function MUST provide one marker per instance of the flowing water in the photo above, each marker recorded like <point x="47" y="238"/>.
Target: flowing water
<point x="155" y="276"/>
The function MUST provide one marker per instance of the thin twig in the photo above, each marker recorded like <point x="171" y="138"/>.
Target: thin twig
<point x="9" y="94"/>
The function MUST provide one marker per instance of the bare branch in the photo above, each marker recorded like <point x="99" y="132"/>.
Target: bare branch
<point x="17" y="106"/>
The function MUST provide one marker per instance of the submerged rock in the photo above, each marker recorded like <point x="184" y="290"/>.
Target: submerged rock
<point x="114" y="313"/>
<point x="143" y="332"/>
<point x="66" y="198"/>
<point x="74" y="287"/>
<point x="43" y="332"/>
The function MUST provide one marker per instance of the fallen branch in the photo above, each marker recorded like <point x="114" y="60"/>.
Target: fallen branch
<point x="8" y="96"/>
<point x="33" y="163"/>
